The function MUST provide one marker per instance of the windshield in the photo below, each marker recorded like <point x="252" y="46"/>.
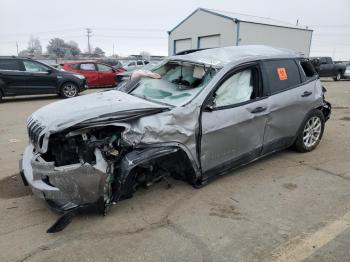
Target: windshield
<point x="178" y="84"/>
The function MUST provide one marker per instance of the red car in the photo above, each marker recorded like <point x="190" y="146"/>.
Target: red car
<point x="97" y="74"/>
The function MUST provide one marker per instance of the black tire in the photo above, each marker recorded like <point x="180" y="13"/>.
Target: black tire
<point x="69" y="90"/>
<point x="338" y="76"/>
<point x="0" y="96"/>
<point x="304" y="143"/>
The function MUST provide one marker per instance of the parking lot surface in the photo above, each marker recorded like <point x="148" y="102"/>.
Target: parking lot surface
<point x="286" y="207"/>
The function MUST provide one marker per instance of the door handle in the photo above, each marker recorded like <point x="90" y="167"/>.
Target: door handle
<point x="258" y="110"/>
<point x="306" y="93"/>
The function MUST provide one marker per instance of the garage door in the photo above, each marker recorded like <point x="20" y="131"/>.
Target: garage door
<point x="209" y="41"/>
<point x="183" y="45"/>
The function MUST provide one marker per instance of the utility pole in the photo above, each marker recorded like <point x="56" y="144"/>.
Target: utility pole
<point x="113" y="51"/>
<point x="17" y="47"/>
<point x="88" y="34"/>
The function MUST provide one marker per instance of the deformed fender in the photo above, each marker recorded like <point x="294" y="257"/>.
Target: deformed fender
<point x="136" y="158"/>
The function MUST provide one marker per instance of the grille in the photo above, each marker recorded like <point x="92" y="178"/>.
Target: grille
<point x="34" y="130"/>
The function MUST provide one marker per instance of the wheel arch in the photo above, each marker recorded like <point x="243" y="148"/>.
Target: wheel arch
<point x="139" y="157"/>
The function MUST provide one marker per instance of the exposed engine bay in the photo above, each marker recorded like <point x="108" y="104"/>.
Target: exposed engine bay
<point x="93" y="168"/>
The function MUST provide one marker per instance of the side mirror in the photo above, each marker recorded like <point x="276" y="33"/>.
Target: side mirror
<point x="49" y="71"/>
<point x="210" y="106"/>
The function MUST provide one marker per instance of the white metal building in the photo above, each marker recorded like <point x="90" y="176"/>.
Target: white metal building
<point x="206" y="28"/>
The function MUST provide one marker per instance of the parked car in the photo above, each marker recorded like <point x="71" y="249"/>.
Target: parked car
<point x="134" y="65"/>
<point x="347" y="72"/>
<point x="97" y="74"/>
<point x="126" y="75"/>
<point x="197" y="117"/>
<point x="24" y="76"/>
<point x="325" y="67"/>
<point x="116" y="64"/>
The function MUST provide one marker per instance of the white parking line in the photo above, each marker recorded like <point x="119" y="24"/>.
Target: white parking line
<point x="299" y="248"/>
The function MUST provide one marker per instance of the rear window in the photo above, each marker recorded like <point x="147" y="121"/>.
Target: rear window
<point x="281" y="75"/>
<point x="307" y="69"/>
<point x="9" y="64"/>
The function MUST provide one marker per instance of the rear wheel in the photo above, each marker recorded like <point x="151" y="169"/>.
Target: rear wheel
<point x="311" y="132"/>
<point x="337" y="77"/>
<point x="69" y="90"/>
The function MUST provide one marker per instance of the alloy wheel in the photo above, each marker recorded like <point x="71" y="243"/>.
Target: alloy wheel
<point x="69" y="90"/>
<point x="312" y="131"/>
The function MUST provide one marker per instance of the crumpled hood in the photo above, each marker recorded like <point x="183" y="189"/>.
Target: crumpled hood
<point x="95" y="107"/>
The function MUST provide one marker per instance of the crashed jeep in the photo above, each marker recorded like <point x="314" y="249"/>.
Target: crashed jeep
<point x="191" y="117"/>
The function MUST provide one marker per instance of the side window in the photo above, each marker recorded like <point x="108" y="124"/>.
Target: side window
<point x="139" y="63"/>
<point x="87" y="67"/>
<point x="34" y="67"/>
<point x="281" y="75"/>
<point x="237" y="88"/>
<point x="103" y="68"/>
<point x="131" y="64"/>
<point x="9" y="64"/>
<point x="74" y="66"/>
<point x="323" y="60"/>
<point x="307" y="69"/>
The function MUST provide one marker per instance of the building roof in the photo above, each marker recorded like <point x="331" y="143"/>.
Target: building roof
<point x="219" y="57"/>
<point x="245" y="18"/>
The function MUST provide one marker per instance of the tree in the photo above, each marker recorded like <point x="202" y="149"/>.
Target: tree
<point x="57" y="47"/>
<point x="98" y="52"/>
<point x="74" y="48"/>
<point x="61" y="49"/>
<point x="34" y="46"/>
<point x="145" y="55"/>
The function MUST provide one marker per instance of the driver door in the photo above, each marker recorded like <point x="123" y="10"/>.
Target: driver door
<point x="41" y="79"/>
<point x="233" y="124"/>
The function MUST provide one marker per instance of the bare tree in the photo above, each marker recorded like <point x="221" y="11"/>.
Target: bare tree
<point x="145" y="55"/>
<point x="34" y="48"/>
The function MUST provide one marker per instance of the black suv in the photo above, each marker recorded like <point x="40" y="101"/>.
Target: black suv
<point x="24" y="76"/>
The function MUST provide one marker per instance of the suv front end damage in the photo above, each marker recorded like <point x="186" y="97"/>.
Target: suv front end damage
<point x="101" y="155"/>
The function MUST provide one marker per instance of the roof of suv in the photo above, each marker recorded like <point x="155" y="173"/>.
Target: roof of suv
<point x="224" y="55"/>
<point x="15" y="57"/>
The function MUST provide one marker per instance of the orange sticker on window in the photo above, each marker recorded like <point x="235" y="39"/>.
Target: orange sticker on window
<point x="282" y="73"/>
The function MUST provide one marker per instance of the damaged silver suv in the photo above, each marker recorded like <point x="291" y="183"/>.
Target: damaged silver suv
<point x="193" y="117"/>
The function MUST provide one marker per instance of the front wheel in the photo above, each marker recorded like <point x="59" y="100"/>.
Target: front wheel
<point x="311" y="132"/>
<point x="69" y="90"/>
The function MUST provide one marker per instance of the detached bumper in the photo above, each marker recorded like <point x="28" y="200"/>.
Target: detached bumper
<point x="64" y="188"/>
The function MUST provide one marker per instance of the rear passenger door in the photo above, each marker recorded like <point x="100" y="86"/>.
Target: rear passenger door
<point x="13" y="78"/>
<point x="106" y="75"/>
<point x="290" y="99"/>
<point x="89" y="70"/>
